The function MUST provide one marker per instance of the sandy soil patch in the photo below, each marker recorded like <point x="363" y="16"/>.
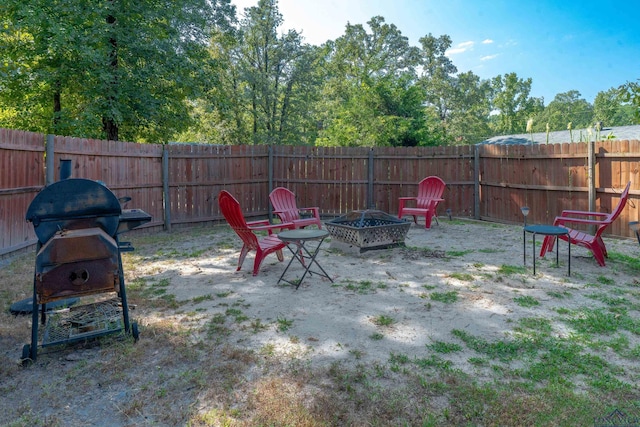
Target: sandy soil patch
<point x="327" y="322"/>
<point x="460" y="277"/>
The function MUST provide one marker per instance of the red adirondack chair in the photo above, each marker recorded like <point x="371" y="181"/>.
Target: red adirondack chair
<point x="230" y="208"/>
<point x="284" y="205"/>
<point x="580" y="237"/>
<point x="430" y="191"/>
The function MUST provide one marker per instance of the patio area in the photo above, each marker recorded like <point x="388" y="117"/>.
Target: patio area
<point x="451" y="323"/>
<point x="461" y="275"/>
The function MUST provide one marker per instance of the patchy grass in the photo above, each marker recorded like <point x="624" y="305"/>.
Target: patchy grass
<point x="565" y="355"/>
<point x="362" y="286"/>
<point x="463" y="277"/>
<point x="444" y="297"/>
<point x="459" y="253"/>
<point x="526" y="301"/>
<point x="383" y="320"/>
<point x="509" y="270"/>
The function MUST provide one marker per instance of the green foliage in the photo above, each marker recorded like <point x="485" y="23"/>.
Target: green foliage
<point x="191" y="71"/>
<point x="526" y="301"/>
<point x="627" y="262"/>
<point x="512" y="101"/>
<point x="445" y="347"/>
<point x="630" y="93"/>
<point x="463" y="277"/>
<point x="511" y="269"/>
<point x="566" y="107"/>
<point x="445" y="297"/>
<point x="267" y="88"/>
<point x="383" y="320"/>
<point x="370" y="96"/>
<point x="283" y="324"/>
<point x="363" y="286"/>
<point x="599" y="321"/>
<point x="502" y="350"/>
<point x="116" y="69"/>
<point x="608" y="109"/>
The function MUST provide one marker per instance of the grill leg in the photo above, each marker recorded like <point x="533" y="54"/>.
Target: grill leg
<point x="33" y="351"/>
<point x="123" y="291"/>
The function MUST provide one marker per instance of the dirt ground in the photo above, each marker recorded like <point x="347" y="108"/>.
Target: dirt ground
<point x="459" y="275"/>
<point x="335" y="320"/>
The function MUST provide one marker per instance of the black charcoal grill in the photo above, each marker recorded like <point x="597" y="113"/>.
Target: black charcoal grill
<point x="78" y="254"/>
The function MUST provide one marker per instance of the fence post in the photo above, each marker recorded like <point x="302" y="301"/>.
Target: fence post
<point x="591" y="165"/>
<point x="370" y="202"/>
<point x="270" y="174"/>
<point x="476" y="181"/>
<point x="591" y="181"/>
<point x="50" y="171"/>
<point x="166" y="198"/>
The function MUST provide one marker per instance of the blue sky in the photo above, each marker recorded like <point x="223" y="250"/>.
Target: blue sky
<point x="588" y="46"/>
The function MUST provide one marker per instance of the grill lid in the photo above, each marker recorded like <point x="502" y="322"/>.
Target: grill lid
<point x="73" y="203"/>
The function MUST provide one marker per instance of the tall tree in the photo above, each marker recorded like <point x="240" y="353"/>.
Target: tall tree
<point x="437" y="73"/>
<point x="512" y="102"/>
<point x="459" y="105"/>
<point x="470" y="108"/>
<point x="567" y="107"/>
<point x="369" y="94"/>
<point x="267" y="85"/>
<point x="117" y="69"/>
<point x="630" y="93"/>
<point x="278" y="72"/>
<point x="44" y="49"/>
<point x="605" y="106"/>
<point x="220" y="115"/>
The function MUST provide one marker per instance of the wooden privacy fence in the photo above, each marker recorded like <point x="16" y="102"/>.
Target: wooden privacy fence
<point x="179" y="183"/>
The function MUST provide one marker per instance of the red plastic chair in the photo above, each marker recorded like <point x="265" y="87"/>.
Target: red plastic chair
<point x="581" y="238"/>
<point x="284" y="205"/>
<point x="230" y="208"/>
<point x="430" y="191"/>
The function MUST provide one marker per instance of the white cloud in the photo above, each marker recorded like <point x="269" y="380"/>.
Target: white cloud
<point x="461" y="47"/>
<point x="487" y="41"/>
<point x="489" y="57"/>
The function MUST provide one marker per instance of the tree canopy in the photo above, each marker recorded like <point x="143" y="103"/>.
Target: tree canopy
<point x="112" y="69"/>
<point x="199" y="71"/>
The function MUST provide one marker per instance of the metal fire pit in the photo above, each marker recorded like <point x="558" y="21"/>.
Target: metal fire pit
<point x="368" y="229"/>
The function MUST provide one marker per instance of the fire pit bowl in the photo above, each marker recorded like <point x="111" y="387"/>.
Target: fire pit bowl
<point x="368" y="229"/>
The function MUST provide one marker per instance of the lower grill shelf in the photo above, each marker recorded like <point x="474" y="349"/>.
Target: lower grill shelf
<point x="82" y="322"/>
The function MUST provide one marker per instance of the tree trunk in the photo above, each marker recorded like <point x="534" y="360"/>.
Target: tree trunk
<point x="109" y="125"/>
<point x="57" y="107"/>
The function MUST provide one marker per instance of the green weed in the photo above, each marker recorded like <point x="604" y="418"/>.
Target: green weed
<point x="444" y="347"/>
<point x="363" y="286"/>
<point x="445" y="297"/>
<point x="463" y="277"/>
<point x="283" y="324"/>
<point x="526" y="301"/>
<point x="605" y="280"/>
<point x="197" y="300"/>
<point x="383" y="320"/>
<point x="512" y="269"/>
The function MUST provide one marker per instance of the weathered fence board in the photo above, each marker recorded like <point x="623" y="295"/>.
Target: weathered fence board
<point x="128" y="169"/>
<point x="491" y="182"/>
<point x="22" y="175"/>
